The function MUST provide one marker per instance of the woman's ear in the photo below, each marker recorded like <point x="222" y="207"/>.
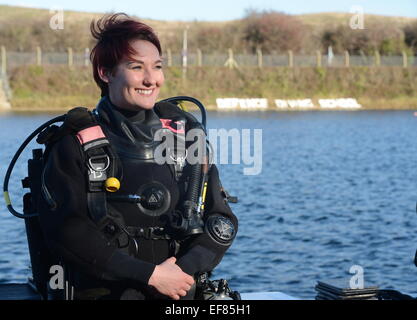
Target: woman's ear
<point x="103" y="73"/>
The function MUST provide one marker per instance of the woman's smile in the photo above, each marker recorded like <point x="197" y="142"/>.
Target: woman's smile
<point x="145" y="92"/>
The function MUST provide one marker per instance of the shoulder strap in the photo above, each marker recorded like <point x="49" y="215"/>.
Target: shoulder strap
<point x="101" y="164"/>
<point x="100" y="160"/>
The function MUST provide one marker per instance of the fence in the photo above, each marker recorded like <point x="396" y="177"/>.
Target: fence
<point x="10" y="59"/>
<point x="5" y="91"/>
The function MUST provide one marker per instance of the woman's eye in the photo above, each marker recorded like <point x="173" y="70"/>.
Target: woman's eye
<point x="158" y="67"/>
<point x="137" y="67"/>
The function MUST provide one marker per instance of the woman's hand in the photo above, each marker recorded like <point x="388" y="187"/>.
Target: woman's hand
<point x="170" y="280"/>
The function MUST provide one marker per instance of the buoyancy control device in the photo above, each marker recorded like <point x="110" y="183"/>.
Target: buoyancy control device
<point x="186" y="222"/>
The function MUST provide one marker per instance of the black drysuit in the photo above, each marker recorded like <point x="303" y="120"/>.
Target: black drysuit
<point x="72" y="235"/>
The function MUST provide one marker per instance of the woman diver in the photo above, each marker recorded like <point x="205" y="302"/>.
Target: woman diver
<point x="109" y="211"/>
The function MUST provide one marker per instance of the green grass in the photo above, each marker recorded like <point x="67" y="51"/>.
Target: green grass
<point x="58" y="87"/>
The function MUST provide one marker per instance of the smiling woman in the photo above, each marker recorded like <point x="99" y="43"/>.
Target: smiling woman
<point x="124" y="224"/>
<point x="131" y="71"/>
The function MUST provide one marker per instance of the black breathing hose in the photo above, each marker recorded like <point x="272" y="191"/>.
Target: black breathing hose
<point x="193" y="100"/>
<point x="13" y="162"/>
<point x="191" y="222"/>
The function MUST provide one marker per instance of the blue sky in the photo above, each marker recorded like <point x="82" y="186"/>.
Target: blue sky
<point x="217" y="10"/>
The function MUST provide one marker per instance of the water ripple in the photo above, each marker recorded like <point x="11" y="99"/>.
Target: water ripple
<point x="337" y="189"/>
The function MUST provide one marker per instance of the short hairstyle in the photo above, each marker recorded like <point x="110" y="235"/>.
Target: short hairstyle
<point x="113" y="34"/>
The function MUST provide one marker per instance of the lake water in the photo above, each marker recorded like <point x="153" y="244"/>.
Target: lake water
<point x="337" y="189"/>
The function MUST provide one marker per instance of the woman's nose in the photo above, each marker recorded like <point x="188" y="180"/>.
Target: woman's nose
<point x="149" y="78"/>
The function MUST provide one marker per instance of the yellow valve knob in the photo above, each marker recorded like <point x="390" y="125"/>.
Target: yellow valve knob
<point x="112" y="184"/>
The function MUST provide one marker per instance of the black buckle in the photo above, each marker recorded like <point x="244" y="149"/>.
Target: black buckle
<point x="155" y="233"/>
<point x="149" y="233"/>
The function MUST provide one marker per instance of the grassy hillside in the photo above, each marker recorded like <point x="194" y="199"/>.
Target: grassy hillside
<point x="18" y="24"/>
<point x="321" y="20"/>
<point x="375" y="88"/>
<point x="13" y="13"/>
<point x="25" y="28"/>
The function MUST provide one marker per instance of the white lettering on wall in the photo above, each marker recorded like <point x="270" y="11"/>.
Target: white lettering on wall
<point x="245" y="104"/>
<point x="339" y="103"/>
<point x="284" y="104"/>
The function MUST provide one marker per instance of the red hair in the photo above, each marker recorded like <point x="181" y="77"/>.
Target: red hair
<point x="113" y="34"/>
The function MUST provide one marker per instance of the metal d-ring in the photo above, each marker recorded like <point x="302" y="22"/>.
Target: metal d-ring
<point x="90" y="164"/>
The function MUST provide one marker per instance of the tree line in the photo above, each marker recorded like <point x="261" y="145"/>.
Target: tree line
<point x="271" y="31"/>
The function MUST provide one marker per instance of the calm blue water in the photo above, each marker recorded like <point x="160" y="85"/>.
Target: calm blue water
<point x="337" y="189"/>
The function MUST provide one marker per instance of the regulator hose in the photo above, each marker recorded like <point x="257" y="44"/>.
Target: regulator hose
<point x="193" y="100"/>
<point x="13" y="162"/>
<point x="190" y="220"/>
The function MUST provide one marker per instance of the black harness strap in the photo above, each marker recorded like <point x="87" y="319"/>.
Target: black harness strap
<point x="100" y="162"/>
<point x="97" y="207"/>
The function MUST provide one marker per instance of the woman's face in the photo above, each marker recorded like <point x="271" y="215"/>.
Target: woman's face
<point x="136" y="81"/>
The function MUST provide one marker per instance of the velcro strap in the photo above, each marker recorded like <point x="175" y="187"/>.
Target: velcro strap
<point x="90" y="134"/>
<point x="91" y="137"/>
